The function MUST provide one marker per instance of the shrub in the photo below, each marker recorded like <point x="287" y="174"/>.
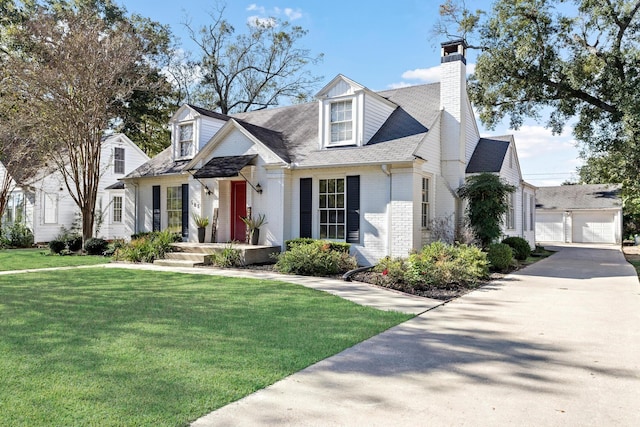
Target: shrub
<point x="316" y="258"/>
<point x="57" y="246"/>
<point x="74" y="243"/>
<point x="500" y="256"/>
<point x="393" y="271"/>
<point x="95" y="246"/>
<point x="334" y="246"/>
<point x="521" y="248"/>
<point x="228" y="257"/>
<point x="113" y="247"/>
<point x="440" y="265"/>
<point x="19" y="236"/>
<point x="146" y="249"/>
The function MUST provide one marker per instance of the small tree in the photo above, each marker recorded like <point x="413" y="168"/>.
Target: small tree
<point x="487" y="195"/>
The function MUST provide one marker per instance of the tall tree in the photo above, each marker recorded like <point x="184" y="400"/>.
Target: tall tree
<point x="252" y="70"/>
<point x="68" y="67"/>
<point x="561" y="60"/>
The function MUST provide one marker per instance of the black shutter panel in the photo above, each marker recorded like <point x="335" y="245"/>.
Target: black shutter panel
<point x="156" y="208"/>
<point x="353" y="209"/>
<point x="185" y="212"/>
<point x="306" y="203"/>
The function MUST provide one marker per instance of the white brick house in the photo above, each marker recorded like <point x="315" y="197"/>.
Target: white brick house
<point x="369" y="168"/>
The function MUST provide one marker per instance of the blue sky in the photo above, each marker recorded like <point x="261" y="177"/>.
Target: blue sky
<point x="379" y="45"/>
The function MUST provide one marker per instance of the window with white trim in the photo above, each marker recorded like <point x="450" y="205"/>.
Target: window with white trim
<point x="511" y="213"/>
<point x="14" y="209"/>
<point x="185" y="139"/>
<point x="532" y="209"/>
<point x="118" y="160"/>
<point x="117" y="208"/>
<point x="341" y="122"/>
<point x="331" y="204"/>
<point x="174" y="208"/>
<point x="50" y="204"/>
<point x="425" y="203"/>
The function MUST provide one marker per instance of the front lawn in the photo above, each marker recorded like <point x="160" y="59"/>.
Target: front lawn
<point x="26" y="259"/>
<point x="120" y="347"/>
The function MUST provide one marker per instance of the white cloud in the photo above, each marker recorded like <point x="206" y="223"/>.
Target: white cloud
<point x="293" y="14"/>
<point x="399" y="85"/>
<point x="256" y="20"/>
<point x="265" y="16"/>
<point x="536" y="141"/>
<point x="430" y="75"/>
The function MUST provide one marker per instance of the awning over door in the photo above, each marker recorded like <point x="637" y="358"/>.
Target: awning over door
<point x="224" y="167"/>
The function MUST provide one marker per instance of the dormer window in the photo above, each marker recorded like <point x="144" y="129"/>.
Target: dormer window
<point x="185" y="133"/>
<point x="341" y="122"/>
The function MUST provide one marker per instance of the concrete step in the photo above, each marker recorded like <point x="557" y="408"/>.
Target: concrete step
<point x="176" y="263"/>
<point x="187" y="256"/>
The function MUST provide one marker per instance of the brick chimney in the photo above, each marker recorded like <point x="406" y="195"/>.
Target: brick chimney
<point x="453" y="103"/>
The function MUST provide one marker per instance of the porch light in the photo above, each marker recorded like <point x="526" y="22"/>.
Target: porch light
<point x="259" y="188"/>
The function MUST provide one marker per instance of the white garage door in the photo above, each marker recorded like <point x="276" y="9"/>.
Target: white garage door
<point x="594" y="227"/>
<point x="549" y="227"/>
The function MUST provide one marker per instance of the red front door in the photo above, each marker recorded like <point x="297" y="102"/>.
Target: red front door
<point x="238" y="210"/>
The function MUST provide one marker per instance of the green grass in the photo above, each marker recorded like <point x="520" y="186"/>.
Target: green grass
<point x="121" y="347"/>
<point x="635" y="263"/>
<point x="26" y="259"/>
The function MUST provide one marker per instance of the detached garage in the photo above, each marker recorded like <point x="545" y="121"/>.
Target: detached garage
<point x="579" y="214"/>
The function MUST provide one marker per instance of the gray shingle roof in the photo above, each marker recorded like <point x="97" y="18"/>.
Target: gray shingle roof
<point x="588" y="196"/>
<point x="488" y="155"/>
<point x="224" y="167"/>
<point x="291" y="132"/>
<point x="209" y="113"/>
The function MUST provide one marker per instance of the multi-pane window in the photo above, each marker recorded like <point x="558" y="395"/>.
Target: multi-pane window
<point x="186" y="139"/>
<point x="117" y="209"/>
<point x="50" y="203"/>
<point x="532" y="209"/>
<point x="511" y="213"/>
<point x="174" y="208"/>
<point x="425" y="203"/>
<point x="14" y="210"/>
<point x="341" y="121"/>
<point x="332" y="208"/>
<point x="118" y="160"/>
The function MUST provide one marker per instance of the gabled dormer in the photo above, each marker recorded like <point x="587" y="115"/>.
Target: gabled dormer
<point x="350" y="114"/>
<point x="191" y="128"/>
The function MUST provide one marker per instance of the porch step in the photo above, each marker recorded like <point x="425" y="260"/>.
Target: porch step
<point x="176" y="263"/>
<point x="189" y="256"/>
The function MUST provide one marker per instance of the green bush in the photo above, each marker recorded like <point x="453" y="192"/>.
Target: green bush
<point x="96" y="246"/>
<point x="500" y="256"/>
<point x="57" y="246"/>
<point x="113" y="247"/>
<point x="440" y="265"/>
<point x="19" y="236"/>
<point x="393" y="270"/>
<point x="316" y="258"/>
<point x="521" y="248"/>
<point x="228" y="257"/>
<point x="74" y="243"/>
<point x="146" y="249"/>
<point x="334" y="246"/>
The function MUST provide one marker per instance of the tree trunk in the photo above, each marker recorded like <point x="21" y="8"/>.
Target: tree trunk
<point x="88" y="217"/>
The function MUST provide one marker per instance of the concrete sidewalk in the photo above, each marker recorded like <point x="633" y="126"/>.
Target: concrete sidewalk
<point x="360" y="293"/>
<point x="555" y="344"/>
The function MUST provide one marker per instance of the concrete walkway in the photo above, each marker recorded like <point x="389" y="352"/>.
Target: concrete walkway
<point x="555" y="344"/>
<point x="360" y="293"/>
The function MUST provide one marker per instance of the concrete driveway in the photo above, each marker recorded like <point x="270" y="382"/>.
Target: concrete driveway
<point x="557" y="343"/>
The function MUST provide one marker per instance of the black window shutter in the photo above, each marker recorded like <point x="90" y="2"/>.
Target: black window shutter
<point x="353" y="209"/>
<point x="156" y="208"/>
<point x="306" y="203"/>
<point x="185" y="211"/>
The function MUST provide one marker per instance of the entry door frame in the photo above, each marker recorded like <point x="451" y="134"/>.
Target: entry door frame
<point x="238" y="210"/>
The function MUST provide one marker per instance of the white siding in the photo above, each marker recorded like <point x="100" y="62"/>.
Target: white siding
<point x="376" y="113"/>
<point x="208" y="128"/>
<point x="472" y="133"/>
<point x="341" y="88"/>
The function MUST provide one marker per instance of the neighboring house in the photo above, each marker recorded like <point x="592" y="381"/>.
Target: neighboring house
<point x="370" y="168"/>
<point x="579" y="214"/>
<point x="46" y="205"/>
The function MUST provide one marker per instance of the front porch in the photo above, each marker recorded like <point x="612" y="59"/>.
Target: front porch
<point x="189" y="254"/>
